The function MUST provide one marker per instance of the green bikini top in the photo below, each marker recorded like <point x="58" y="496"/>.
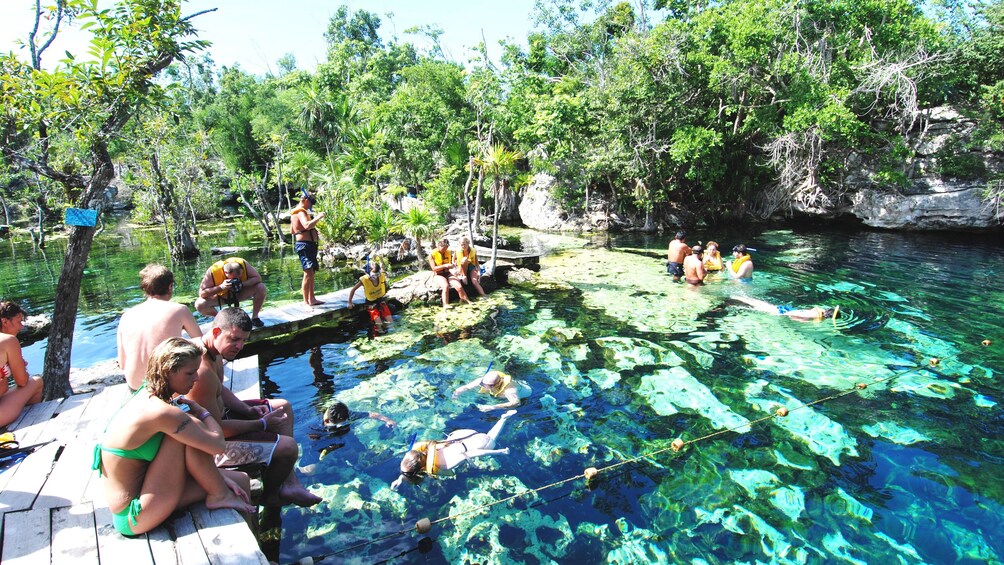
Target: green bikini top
<point x="145" y="452"/>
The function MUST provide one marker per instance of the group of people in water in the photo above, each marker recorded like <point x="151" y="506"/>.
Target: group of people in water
<point x="694" y="264"/>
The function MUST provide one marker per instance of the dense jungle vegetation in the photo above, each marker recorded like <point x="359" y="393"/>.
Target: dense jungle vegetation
<point x="735" y="107"/>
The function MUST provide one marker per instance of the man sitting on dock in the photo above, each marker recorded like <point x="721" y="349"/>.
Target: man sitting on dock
<point x="144" y="326"/>
<point x="226" y="283"/>
<point x="257" y="431"/>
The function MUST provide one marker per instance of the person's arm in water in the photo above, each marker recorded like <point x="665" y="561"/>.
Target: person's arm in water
<point x="464" y="388"/>
<point x="386" y="421"/>
<point x="512" y="400"/>
<point x="352" y="292"/>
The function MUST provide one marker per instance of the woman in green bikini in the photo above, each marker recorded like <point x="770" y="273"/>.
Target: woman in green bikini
<point x="157" y="455"/>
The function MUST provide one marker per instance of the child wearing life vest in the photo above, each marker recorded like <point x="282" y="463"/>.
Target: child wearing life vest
<point x="374" y="286"/>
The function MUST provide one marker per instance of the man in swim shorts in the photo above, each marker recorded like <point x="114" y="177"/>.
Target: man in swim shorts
<point x="678" y="251"/>
<point x="305" y="238"/>
<point x="693" y="267"/>
<point x="257" y="431"/>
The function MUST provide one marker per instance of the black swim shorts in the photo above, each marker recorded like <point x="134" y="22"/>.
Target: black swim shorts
<point x="674" y="268"/>
<point x="307" y="250"/>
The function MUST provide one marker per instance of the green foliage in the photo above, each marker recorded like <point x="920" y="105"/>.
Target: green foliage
<point x="956" y="162"/>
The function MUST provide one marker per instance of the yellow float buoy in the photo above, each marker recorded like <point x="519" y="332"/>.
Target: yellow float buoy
<point x="677" y="444"/>
<point x="781" y="411"/>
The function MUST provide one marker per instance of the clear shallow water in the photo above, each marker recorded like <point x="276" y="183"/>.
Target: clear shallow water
<point x="111" y="279"/>
<point x="622" y="361"/>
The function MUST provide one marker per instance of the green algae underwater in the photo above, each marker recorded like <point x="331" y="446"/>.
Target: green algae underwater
<point x="622" y="361"/>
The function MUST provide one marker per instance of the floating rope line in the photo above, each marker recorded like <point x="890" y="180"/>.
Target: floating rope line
<point x="424" y="525"/>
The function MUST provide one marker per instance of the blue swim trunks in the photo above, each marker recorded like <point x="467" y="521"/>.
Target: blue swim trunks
<point x="307" y="250"/>
<point x="783" y="309"/>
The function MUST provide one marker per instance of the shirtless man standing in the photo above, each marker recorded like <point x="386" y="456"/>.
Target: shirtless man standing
<point x="305" y="239"/>
<point x="150" y="322"/>
<point x="693" y="267"/>
<point x="257" y="431"/>
<point x="678" y="251"/>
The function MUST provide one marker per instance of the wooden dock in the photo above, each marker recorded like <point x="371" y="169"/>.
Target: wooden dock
<point x="53" y="505"/>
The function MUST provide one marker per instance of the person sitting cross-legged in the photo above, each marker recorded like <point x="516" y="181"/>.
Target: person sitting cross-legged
<point x="157" y="456"/>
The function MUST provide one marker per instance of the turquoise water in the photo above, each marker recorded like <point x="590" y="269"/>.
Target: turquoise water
<point x="622" y="361"/>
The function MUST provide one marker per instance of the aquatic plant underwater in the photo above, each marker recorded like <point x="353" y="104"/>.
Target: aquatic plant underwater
<point x="622" y="362"/>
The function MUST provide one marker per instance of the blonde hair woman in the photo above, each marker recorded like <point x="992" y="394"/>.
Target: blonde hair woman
<point x="157" y="455"/>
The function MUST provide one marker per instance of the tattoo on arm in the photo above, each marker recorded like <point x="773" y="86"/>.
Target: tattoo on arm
<point x="183" y="425"/>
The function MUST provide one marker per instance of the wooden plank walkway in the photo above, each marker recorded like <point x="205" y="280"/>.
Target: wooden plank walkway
<point x="53" y="506"/>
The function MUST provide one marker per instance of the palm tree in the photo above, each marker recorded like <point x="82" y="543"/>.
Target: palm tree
<point x="497" y="164"/>
<point x="417" y="223"/>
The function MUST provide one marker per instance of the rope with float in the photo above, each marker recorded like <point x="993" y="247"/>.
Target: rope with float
<point x="591" y="474"/>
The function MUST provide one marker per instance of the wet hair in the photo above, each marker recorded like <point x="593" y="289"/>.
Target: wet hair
<point x="375" y="267"/>
<point x="696" y="250"/>
<point x="156" y="279"/>
<point x="681" y="235"/>
<point x="9" y="309"/>
<point x="445" y="242"/>
<point x="740" y="249"/>
<point x="232" y="318"/>
<point x="172" y="354"/>
<point x="715" y="243"/>
<point x="464" y="240"/>
<point x="336" y="414"/>
<point x="412" y="464"/>
<point x="828" y="313"/>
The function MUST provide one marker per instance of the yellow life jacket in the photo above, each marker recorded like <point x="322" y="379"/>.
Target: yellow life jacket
<point x="374" y="291"/>
<point x="472" y="256"/>
<point x="713" y="262"/>
<point x="739" y="263"/>
<point x="219" y="276"/>
<point x="442" y="259"/>
<point x="429" y="448"/>
<point x="500" y="386"/>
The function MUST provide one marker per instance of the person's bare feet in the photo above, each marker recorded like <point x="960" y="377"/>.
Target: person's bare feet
<point x="316" y="302"/>
<point x="229" y="500"/>
<point x="298" y="495"/>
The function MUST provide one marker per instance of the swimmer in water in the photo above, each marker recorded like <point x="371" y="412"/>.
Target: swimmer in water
<point x="814" y="314"/>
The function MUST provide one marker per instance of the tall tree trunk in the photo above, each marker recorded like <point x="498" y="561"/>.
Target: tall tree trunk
<point x="467" y="200"/>
<point x="495" y="226"/>
<point x="477" y="201"/>
<point x="56" y="373"/>
<point x="41" y="226"/>
<point x="6" y="211"/>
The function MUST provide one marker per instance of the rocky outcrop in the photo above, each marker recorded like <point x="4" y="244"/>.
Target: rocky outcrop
<point x="943" y="206"/>
<point x="945" y="186"/>
<point x="540" y="210"/>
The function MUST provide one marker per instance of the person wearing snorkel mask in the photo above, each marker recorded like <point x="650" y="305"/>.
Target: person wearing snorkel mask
<point x="498" y="385"/>
<point x="374" y="285"/>
<point x="338" y="418"/>
<point x="431" y="458"/>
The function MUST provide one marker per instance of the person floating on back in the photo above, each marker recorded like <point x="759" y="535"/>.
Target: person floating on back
<point x="498" y="384"/>
<point x="433" y="457"/>
<point x="374" y="285"/>
<point x="814" y="314"/>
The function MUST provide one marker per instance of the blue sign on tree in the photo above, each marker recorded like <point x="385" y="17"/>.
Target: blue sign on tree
<point x="81" y="217"/>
